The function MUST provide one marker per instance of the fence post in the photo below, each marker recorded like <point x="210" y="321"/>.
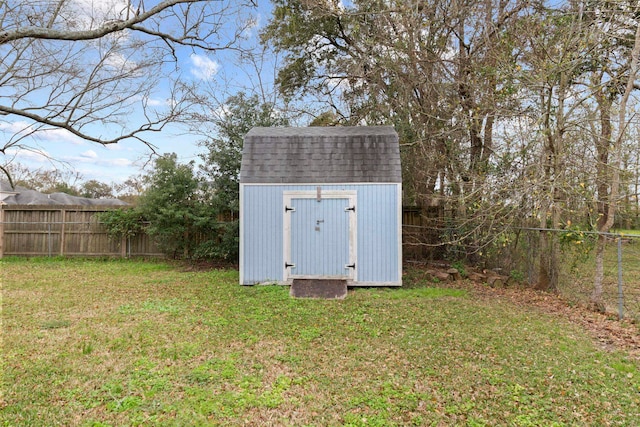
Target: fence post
<point x="1" y="230"/>
<point x="620" y="293"/>
<point x="63" y="243"/>
<point x="123" y="247"/>
<point x="49" y="243"/>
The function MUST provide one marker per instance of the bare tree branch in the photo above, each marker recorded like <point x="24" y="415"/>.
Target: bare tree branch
<point x="112" y="26"/>
<point x="109" y="73"/>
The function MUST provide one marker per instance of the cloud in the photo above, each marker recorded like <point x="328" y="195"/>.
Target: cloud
<point x="118" y="61"/>
<point x="222" y="112"/>
<point x="58" y="135"/>
<point x="89" y="154"/>
<point x="155" y="102"/>
<point x="29" y="155"/>
<point x="115" y="147"/>
<point x="20" y="129"/>
<point x="151" y="102"/>
<point x="93" y="158"/>
<point x="14" y="127"/>
<point x="121" y="162"/>
<point x="87" y="14"/>
<point x="203" y="67"/>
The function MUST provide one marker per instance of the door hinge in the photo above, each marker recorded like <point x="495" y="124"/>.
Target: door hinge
<point x="350" y="265"/>
<point x="287" y="265"/>
<point x="288" y="209"/>
<point x="352" y="209"/>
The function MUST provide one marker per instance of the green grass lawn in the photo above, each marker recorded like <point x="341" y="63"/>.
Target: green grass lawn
<point x="96" y="343"/>
<point x="627" y="232"/>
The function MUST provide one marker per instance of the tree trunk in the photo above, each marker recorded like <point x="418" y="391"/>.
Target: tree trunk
<point x="614" y="175"/>
<point x="553" y="177"/>
<point x="603" y="143"/>
<point x="596" y="296"/>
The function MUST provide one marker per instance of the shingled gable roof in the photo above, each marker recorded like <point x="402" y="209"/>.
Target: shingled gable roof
<point x="311" y="155"/>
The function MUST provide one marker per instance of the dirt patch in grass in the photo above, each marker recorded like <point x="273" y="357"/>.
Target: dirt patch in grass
<point x="610" y="333"/>
<point x="606" y="329"/>
<point x="205" y="265"/>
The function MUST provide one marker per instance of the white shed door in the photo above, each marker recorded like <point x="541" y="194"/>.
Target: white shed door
<point x="320" y="237"/>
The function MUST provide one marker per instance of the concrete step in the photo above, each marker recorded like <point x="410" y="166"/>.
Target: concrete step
<point x="318" y="288"/>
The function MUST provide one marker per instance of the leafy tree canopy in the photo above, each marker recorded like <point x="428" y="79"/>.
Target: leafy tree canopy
<point x="171" y="205"/>
<point x="221" y="161"/>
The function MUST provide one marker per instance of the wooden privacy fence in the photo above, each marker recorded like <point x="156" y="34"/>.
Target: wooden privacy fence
<point x="422" y="232"/>
<point x="53" y="230"/>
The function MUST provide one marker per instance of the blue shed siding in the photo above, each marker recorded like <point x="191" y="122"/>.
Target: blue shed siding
<point x="262" y="245"/>
<point x="378" y="252"/>
<point x="378" y="233"/>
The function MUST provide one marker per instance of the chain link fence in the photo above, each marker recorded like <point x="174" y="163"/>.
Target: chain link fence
<point x="574" y="254"/>
<point x="558" y="260"/>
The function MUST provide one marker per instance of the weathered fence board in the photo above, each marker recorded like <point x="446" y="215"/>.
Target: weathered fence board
<point x="421" y="232"/>
<point x="46" y="230"/>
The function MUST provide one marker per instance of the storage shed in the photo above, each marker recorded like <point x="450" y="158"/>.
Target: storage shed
<point x="321" y="203"/>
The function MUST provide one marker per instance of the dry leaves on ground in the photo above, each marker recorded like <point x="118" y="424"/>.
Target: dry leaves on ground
<point x="606" y="329"/>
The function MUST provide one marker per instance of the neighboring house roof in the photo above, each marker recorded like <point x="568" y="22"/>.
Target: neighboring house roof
<point x="310" y="155"/>
<point x="24" y="196"/>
